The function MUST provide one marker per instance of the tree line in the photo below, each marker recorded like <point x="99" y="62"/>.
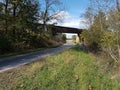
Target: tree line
<point x="19" y="28"/>
<point x="103" y="21"/>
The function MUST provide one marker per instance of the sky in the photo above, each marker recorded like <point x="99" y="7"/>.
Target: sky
<point x="74" y="9"/>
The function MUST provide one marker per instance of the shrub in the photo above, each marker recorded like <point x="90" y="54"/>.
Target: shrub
<point x="92" y="39"/>
<point x="5" y="45"/>
<point x="64" y="38"/>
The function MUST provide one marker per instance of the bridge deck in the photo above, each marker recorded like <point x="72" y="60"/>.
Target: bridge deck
<point x="60" y="29"/>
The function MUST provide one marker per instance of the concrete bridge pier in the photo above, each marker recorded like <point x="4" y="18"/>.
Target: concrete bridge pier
<point x="60" y="29"/>
<point x="79" y="39"/>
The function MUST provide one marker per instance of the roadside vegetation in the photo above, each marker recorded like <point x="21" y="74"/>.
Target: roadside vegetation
<point x="73" y="69"/>
<point x="24" y="24"/>
<point x="103" y="32"/>
<point x="27" y="51"/>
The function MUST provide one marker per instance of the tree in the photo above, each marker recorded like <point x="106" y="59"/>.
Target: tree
<point x="111" y="38"/>
<point x="6" y="13"/>
<point x="50" y="12"/>
<point x="25" y="14"/>
<point x="97" y="26"/>
<point x="19" y="28"/>
<point x="104" y="28"/>
<point x="118" y="5"/>
<point x="64" y="37"/>
<point x="17" y="21"/>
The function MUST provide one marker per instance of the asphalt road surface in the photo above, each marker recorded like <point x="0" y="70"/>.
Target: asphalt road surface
<point x="15" y="61"/>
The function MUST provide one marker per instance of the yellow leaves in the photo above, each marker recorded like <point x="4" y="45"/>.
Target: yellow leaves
<point x="92" y="36"/>
<point x="108" y="39"/>
<point x="95" y="27"/>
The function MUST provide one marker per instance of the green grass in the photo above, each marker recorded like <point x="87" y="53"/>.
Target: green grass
<point x="26" y="51"/>
<point x="69" y="70"/>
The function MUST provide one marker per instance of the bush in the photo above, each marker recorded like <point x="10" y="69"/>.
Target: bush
<point x="64" y="38"/>
<point x="5" y="45"/>
<point x="19" y="46"/>
<point x="92" y="39"/>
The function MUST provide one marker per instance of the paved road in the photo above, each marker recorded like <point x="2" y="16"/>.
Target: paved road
<point x="15" y="61"/>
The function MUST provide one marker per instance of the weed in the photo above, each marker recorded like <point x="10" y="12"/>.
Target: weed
<point x="71" y="70"/>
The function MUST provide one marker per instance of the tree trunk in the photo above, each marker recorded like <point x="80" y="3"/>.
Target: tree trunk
<point x="6" y="13"/>
<point x="14" y="21"/>
<point x="118" y="5"/>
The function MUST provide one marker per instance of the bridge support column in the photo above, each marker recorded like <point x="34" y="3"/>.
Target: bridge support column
<point x="78" y="38"/>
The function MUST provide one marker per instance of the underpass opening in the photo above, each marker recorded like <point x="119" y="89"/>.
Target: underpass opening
<point x="68" y="31"/>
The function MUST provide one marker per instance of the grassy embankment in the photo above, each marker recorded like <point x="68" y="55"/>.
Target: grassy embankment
<point x="69" y="70"/>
